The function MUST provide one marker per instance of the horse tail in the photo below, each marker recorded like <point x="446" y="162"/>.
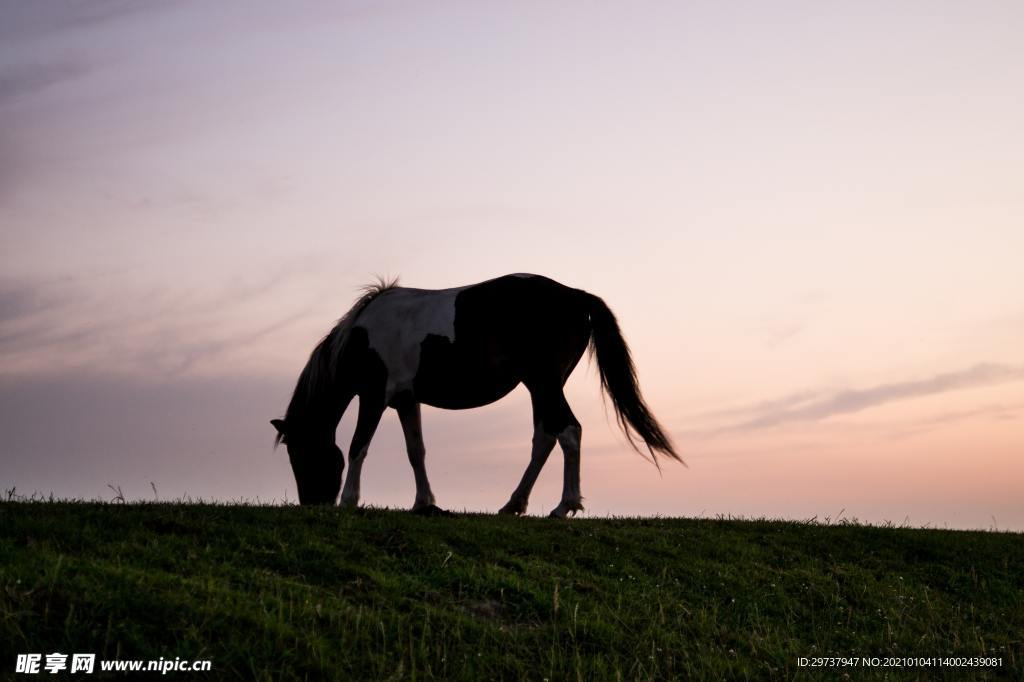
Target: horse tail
<point x="619" y="382"/>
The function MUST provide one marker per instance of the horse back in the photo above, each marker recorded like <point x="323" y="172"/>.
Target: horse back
<point x="469" y="346"/>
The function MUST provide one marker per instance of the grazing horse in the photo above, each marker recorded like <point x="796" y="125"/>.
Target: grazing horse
<point x="455" y="349"/>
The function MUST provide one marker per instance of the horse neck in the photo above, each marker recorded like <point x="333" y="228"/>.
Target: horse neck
<point x="320" y="414"/>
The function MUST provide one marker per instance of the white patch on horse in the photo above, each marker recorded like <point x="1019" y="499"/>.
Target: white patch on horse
<point x="397" y="323"/>
<point x="570" y="437"/>
<point x="571" y="502"/>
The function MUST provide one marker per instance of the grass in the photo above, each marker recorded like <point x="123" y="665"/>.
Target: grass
<point x="313" y="593"/>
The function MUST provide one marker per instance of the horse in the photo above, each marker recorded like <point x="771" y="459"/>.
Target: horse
<point x="456" y="349"/>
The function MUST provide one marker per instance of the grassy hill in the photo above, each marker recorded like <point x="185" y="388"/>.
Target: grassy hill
<point x="293" y="593"/>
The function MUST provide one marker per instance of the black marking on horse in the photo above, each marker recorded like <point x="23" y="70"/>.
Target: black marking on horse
<point x="457" y="349"/>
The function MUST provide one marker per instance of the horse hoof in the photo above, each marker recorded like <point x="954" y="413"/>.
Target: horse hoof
<point x="564" y="510"/>
<point x="431" y="510"/>
<point x="512" y="510"/>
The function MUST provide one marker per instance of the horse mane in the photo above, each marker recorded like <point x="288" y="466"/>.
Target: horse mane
<point x="319" y="375"/>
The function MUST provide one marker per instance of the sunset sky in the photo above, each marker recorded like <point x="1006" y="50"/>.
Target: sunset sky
<point x="808" y="217"/>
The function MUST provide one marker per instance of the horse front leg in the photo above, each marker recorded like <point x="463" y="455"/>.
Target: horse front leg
<point x="412" y="426"/>
<point x="370" y="412"/>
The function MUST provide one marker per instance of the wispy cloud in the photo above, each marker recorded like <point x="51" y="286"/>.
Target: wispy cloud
<point x="59" y="325"/>
<point x="17" y="301"/>
<point x="809" y="406"/>
<point x="993" y="411"/>
<point x="25" y="79"/>
<point x="27" y="21"/>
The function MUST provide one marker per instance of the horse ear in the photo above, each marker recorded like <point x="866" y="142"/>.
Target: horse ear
<point x="279" y="425"/>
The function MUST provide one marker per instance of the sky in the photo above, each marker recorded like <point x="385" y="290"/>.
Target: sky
<point x="807" y="217"/>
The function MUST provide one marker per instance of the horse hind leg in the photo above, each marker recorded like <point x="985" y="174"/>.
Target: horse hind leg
<point x="543" y="444"/>
<point x="554" y="423"/>
<point x="572" y="501"/>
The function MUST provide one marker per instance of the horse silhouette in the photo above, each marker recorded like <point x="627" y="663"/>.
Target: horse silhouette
<point x="456" y="349"/>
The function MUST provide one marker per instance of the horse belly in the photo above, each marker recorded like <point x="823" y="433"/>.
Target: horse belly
<point x="454" y="380"/>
